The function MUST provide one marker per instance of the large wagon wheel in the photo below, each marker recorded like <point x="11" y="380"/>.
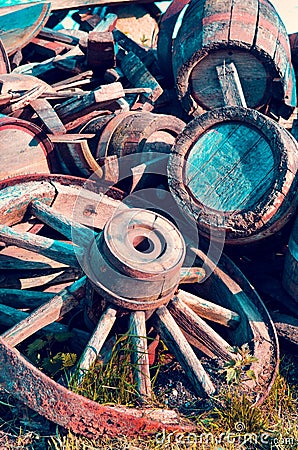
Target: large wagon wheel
<point x="135" y="263"/>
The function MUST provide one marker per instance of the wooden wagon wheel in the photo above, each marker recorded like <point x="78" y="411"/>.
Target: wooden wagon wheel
<point x="135" y="263"/>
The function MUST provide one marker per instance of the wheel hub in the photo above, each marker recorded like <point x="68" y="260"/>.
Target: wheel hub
<point x="136" y="261"/>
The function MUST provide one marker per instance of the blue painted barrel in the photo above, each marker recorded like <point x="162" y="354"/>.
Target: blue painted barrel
<point x="234" y="171"/>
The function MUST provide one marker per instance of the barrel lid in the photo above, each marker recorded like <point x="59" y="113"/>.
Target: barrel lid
<point x="233" y="169"/>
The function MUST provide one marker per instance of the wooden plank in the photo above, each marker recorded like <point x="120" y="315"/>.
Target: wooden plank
<point x="286" y="327"/>
<point x="244" y="22"/>
<point x="215" y="21"/>
<point x="48" y="115"/>
<point x="59" y="251"/>
<point x="18" y="26"/>
<point x="178" y="344"/>
<point x="102" y="96"/>
<point x="59" y="36"/>
<point x="101" y="51"/>
<point x="9" y="317"/>
<point x="192" y="275"/>
<point x="230" y="84"/>
<point x="21" y="298"/>
<point x="96" y="341"/>
<point x="209" y="310"/>
<point x="74" y="231"/>
<point x="200" y="333"/>
<point x="140" y="356"/>
<point x="46" y="314"/>
<point x="267" y="29"/>
<point x="11" y="5"/>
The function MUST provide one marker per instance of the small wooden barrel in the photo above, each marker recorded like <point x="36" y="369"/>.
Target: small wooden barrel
<point x="120" y="135"/>
<point x="290" y="274"/>
<point x="234" y="171"/>
<point x="24" y="148"/>
<point x="249" y="34"/>
<point x="137" y="132"/>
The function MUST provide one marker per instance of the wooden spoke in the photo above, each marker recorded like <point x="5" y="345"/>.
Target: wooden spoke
<point x="140" y="355"/>
<point x="21" y="298"/>
<point x="209" y="310"/>
<point x="59" y="251"/>
<point x="97" y="340"/>
<point x="177" y="342"/>
<point x="192" y="274"/>
<point x="53" y="310"/>
<point x="10" y="316"/>
<point x="198" y="332"/>
<point x="80" y="234"/>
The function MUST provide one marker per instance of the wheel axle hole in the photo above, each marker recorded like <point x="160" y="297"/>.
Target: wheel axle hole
<point x="143" y="244"/>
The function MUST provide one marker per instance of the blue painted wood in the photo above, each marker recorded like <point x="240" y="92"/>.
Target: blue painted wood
<point x="224" y="169"/>
<point x="19" y="26"/>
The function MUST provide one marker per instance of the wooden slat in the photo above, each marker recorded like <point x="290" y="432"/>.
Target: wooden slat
<point x="209" y="310"/>
<point x="72" y="230"/>
<point x="59" y="251"/>
<point x="140" y="357"/>
<point x="21" y="298"/>
<point x="46" y="314"/>
<point x="230" y="85"/>
<point x="177" y="342"/>
<point x="244" y="22"/>
<point x="201" y="334"/>
<point x="48" y="116"/>
<point x="192" y="274"/>
<point x="96" y="341"/>
<point x="10" y="316"/>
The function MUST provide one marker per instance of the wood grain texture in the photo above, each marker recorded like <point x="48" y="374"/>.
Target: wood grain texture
<point x="178" y="344"/>
<point x="249" y="34"/>
<point x="19" y="26"/>
<point x="198" y="332"/>
<point x="225" y="187"/>
<point x="47" y="313"/>
<point x="140" y="356"/>
<point x="290" y="273"/>
<point x="96" y="342"/>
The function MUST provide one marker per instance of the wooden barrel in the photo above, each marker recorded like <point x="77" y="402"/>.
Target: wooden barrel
<point x="24" y="148"/>
<point x="120" y="135"/>
<point x="137" y="132"/>
<point x="249" y="34"/>
<point x="235" y="172"/>
<point x="290" y="274"/>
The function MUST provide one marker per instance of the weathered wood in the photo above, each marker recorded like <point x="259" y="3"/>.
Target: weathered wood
<point x="76" y="80"/>
<point x="58" y="36"/>
<point x="102" y="96"/>
<point x="46" y="314"/>
<point x="140" y="356"/>
<point x="96" y="341"/>
<point x="230" y="85"/>
<point x="235" y="194"/>
<point x="139" y="76"/>
<point x="21" y="298"/>
<point x="108" y="23"/>
<point x="198" y="332"/>
<point x="286" y="327"/>
<point x="176" y="341"/>
<point x="101" y="51"/>
<point x="40" y="279"/>
<point x="19" y="259"/>
<point x="19" y="26"/>
<point x="30" y="155"/>
<point x="48" y="116"/>
<point x="209" y="310"/>
<point x="74" y="231"/>
<point x="192" y="275"/>
<point x="214" y="33"/>
<point x="290" y="273"/>
<point x="59" y="251"/>
<point x="4" y="61"/>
